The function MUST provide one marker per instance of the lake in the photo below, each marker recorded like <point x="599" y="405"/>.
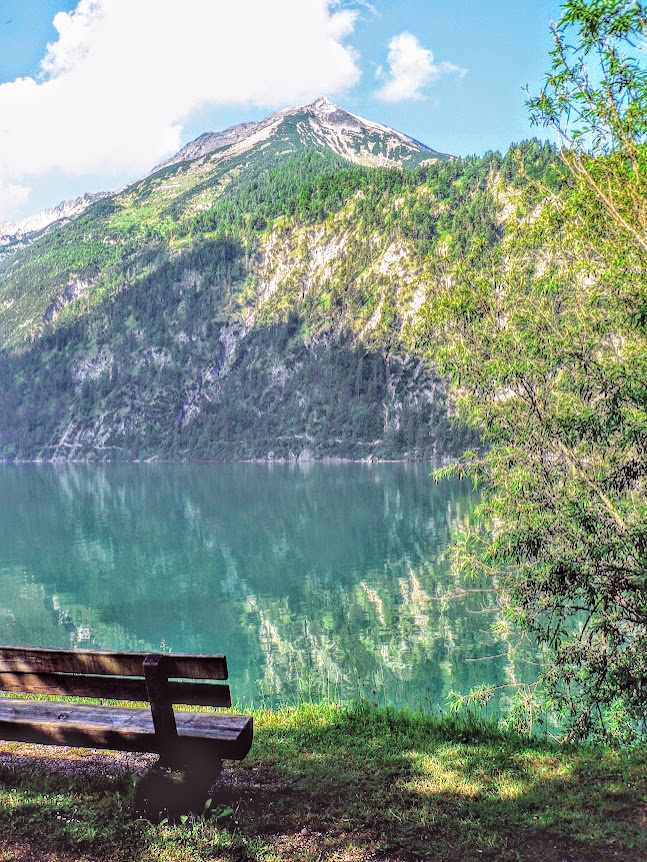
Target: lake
<point x="316" y="580"/>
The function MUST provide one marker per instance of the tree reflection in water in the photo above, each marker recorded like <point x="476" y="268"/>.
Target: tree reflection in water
<point x="316" y="580"/>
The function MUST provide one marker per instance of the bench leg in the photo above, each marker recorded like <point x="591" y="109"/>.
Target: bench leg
<point x="202" y="773"/>
<point x="170" y="789"/>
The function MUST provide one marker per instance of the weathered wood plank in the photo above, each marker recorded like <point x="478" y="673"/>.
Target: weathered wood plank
<point x="113" y="688"/>
<point x="216" y="734"/>
<point x="106" y="662"/>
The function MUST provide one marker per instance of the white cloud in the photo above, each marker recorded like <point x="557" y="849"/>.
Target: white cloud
<point x="364" y="4"/>
<point x="12" y="195"/>
<point x="411" y="68"/>
<point x="124" y="75"/>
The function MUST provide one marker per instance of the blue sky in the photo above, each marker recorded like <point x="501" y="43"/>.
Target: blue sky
<point x="95" y="97"/>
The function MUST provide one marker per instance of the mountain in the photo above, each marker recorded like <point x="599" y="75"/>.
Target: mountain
<point x="319" y="125"/>
<point x="261" y="295"/>
<point x="20" y="232"/>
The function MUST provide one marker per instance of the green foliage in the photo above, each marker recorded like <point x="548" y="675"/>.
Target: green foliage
<point x="596" y="92"/>
<point x="298" y="186"/>
<point x="547" y="349"/>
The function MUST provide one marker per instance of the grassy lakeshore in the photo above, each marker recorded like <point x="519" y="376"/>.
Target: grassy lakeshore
<point x="354" y="784"/>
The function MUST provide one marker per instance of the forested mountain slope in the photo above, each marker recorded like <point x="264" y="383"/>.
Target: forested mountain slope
<point x="259" y="296"/>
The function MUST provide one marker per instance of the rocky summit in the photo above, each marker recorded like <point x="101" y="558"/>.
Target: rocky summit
<point x="320" y="125"/>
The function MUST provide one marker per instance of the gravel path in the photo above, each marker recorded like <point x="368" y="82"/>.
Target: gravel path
<point x="74" y="762"/>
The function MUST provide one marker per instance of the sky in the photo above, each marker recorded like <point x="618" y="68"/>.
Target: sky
<point x="95" y="93"/>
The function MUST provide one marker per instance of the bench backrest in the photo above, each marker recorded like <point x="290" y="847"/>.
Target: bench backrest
<point x="133" y="676"/>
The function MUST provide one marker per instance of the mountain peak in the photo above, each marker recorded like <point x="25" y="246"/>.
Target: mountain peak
<point x="320" y="125"/>
<point x="322" y="106"/>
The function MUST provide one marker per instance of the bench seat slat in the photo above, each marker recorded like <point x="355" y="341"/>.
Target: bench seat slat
<point x="127" y="729"/>
<point x="113" y="688"/>
<point x="106" y="662"/>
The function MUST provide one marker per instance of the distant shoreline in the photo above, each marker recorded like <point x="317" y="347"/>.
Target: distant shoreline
<point x="268" y="461"/>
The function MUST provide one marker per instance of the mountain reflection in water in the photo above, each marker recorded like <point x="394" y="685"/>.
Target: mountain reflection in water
<point x="315" y="580"/>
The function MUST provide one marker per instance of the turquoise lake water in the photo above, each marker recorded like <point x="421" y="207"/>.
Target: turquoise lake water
<point x="316" y="580"/>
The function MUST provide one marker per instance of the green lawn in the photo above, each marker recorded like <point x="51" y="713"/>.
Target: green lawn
<point x="330" y="783"/>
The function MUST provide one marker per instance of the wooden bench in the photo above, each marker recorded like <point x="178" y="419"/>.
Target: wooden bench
<point x="183" y="739"/>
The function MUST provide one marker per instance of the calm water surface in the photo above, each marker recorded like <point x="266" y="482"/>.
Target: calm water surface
<point x="315" y="580"/>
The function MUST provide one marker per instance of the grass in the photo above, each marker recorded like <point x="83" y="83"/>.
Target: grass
<point x="360" y="783"/>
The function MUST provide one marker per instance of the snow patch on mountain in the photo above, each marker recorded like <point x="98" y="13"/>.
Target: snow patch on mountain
<point x="11" y="232"/>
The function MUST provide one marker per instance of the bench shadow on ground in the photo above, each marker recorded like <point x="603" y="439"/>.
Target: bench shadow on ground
<point x="341" y="789"/>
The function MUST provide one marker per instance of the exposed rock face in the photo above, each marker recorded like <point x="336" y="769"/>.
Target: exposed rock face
<point x="209" y="142"/>
<point x="76" y="288"/>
